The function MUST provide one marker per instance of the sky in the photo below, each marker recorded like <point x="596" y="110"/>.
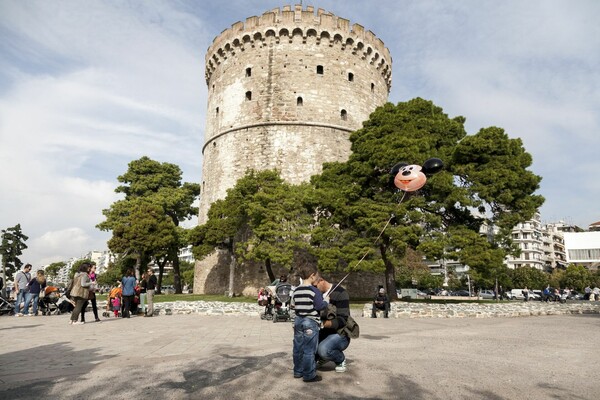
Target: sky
<point x="88" y="86"/>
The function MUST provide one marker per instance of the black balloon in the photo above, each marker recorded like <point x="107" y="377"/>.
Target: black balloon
<point x="432" y="166"/>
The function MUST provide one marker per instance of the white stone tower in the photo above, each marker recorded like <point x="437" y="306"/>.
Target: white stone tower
<point x="285" y="90"/>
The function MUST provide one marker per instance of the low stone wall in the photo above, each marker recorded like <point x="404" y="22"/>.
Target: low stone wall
<point x="475" y="310"/>
<point x="398" y="309"/>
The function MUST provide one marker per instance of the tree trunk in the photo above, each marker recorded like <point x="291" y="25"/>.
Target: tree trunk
<point x="269" y="269"/>
<point x="231" y="270"/>
<point x="174" y="256"/>
<point x="138" y="265"/>
<point x="390" y="275"/>
<point x="161" y="270"/>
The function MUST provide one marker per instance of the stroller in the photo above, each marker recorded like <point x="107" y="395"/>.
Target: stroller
<point x="265" y="300"/>
<point x="283" y="295"/>
<point x="6" y="306"/>
<point x="48" y="304"/>
<point x="108" y="312"/>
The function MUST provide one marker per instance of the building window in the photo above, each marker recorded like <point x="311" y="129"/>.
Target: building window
<point x="248" y="96"/>
<point x="320" y="69"/>
<point x="344" y="115"/>
<point x="299" y="101"/>
<point x="248" y="72"/>
<point x="350" y="77"/>
<point x="372" y="87"/>
<point x="217" y="110"/>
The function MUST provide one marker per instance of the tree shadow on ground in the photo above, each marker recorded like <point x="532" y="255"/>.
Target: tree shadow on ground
<point x="50" y="364"/>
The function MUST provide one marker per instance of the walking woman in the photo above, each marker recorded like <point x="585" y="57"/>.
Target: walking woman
<point x="128" y="283"/>
<point x="80" y="291"/>
<point x="93" y="288"/>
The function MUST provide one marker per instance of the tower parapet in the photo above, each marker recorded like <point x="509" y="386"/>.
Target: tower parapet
<point x="326" y="28"/>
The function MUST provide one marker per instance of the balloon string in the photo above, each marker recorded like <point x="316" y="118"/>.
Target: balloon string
<point x="368" y="251"/>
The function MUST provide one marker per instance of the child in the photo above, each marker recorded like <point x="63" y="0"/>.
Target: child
<point x="116" y="305"/>
<point x="308" y="302"/>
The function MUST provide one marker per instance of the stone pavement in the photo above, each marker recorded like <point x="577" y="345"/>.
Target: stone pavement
<point x="244" y="357"/>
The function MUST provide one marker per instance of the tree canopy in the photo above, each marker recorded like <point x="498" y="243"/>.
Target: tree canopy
<point x="485" y="182"/>
<point x="145" y="223"/>
<point x="13" y="244"/>
<point x="262" y="219"/>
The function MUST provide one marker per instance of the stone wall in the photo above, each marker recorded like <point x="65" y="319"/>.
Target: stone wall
<point x="399" y="309"/>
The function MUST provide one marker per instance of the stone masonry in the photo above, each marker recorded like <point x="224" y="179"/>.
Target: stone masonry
<point x="285" y="90"/>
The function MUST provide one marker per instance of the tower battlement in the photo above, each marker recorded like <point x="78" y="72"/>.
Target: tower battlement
<point x="302" y="25"/>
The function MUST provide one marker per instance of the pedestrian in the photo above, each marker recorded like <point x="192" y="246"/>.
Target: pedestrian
<point x="80" y="291"/>
<point x="116" y="303"/>
<point x="333" y="339"/>
<point x="525" y="294"/>
<point x="308" y="302"/>
<point x="34" y="287"/>
<point x="22" y="278"/>
<point x="128" y="286"/>
<point x="380" y="302"/>
<point x="151" y="283"/>
<point x="92" y="295"/>
<point x="142" y="285"/>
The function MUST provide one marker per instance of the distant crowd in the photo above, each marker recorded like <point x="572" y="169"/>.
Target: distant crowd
<point x="33" y="296"/>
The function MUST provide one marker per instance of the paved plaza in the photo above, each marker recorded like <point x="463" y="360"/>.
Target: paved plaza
<point x="243" y="357"/>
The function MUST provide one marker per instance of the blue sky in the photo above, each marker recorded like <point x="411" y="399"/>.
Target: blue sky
<point x="87" y="86"/>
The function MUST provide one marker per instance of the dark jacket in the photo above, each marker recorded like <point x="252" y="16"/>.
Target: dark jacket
<point x="341" y="300"/>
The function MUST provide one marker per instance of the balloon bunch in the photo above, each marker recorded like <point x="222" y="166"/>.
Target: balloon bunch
<point x="409" y="178"/>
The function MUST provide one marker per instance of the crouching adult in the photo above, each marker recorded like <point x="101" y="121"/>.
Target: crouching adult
<point x="333" y="340"/>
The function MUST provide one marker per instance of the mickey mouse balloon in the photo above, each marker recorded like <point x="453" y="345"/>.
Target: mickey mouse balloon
<point x="410" y="178"/>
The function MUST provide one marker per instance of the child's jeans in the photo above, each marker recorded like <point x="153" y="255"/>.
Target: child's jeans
<point x="306" y="340"/>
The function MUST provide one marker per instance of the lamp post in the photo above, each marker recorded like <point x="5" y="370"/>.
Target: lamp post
<point x="469" y="283"/>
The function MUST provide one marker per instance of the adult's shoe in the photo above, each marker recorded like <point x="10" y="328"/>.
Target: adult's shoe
<point x="317" y="378"/>
<point x="341" y="367"/>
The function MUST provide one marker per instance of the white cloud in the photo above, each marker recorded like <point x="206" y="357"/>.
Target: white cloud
<point x="86" y="87"/>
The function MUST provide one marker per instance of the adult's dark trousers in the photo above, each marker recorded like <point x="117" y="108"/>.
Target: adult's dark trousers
<point x="127" y="302"/>
<point x="384" y="307"/>
<point x="79" y="302"/>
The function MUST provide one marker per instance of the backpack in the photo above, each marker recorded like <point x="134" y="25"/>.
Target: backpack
<point x="351" y="329"/>
<point x="68" y="289"/>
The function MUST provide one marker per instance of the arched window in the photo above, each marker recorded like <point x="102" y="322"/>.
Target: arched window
<point x="248" y="72"/>
<point x="344" y="115"/>
<point x="372" y="87"/>
<point x="248" y="96"/>
<point x="299" y="101"/>
<point x="217" y="110"/>
<point x="320" y="69"/>
<point x="350" y="77"/>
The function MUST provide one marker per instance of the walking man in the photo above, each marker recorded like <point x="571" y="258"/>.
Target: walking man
<point x="332" y="338"/>
<point x="22" y="278"/>
<point x="150" y="288"/>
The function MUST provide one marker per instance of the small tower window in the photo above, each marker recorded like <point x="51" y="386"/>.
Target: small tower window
<point x="344" y="115"/>
<point x="350" y="77"/>
<point x="372" y="87"/>
<point x="248" y="96"/>
<point x="320" y="69"/>
<point x="217" y="110"/>
<point x="248" y="72"/>
<point x="299" y="101"/>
